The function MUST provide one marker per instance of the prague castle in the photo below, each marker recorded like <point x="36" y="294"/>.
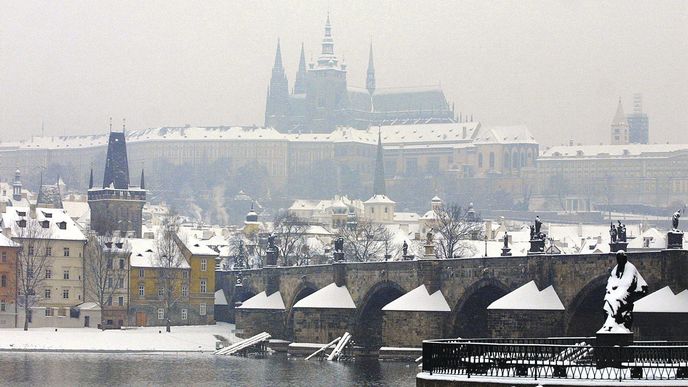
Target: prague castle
<point x="322" y="99"/>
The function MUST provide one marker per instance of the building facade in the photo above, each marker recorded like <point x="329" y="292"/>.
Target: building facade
<point x="638" y="122"/>
<point x="8" y="282"/>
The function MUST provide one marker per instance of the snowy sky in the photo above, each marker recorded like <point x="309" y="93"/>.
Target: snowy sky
<point x="557" y="66"/>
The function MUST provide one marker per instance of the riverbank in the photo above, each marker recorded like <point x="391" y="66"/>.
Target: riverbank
<point x="196" y="338"/>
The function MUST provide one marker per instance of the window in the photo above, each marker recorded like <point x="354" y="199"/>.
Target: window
<point x="109" y="263"/>
<point x="49" y="312"/>
<point x="161" y="313"/>
<point x="3" y="281"/>
<point x="119" y="283"/>
<point x="185" y="314"/>
<point x="48" y="251"/>
<point x="109" y="301"/>
<point x="31" y="250"/>
<point x="204" y="264"/>
<point x="161" y="292"/>
<point x="201" y="309"/>
<point x="3" y="306"/>
<point x="185" y="291"/>
<point x="141" y="272"/>
<point x="4" y="256"/>
<point x="142" y="290"/>
<point x="121" y="264"/>
<point x="65" y="251"/>
<point x="47" y="293"/>
<point x="204" y="286"/>
<point x="65" y="274"/>
<point x="492" y="160"/>
<point x="185" y="274"/>
<point x="65" y="293"/>
<point x="120" y="301"/>
<point x="109" y="282"/>
<point x="48" y="273"/>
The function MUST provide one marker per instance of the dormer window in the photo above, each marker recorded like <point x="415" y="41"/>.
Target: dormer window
<point x="108" y="245"/>
<point x="62" y="225"/>
<point x="21" y="223"/>
<point x="47" y="214"/>
<point x="119" y="245"/>
<point x="21" y="213"/>
<point x="45" y="223"/>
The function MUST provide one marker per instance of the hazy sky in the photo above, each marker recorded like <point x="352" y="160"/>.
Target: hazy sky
<point x="557" y="66"/>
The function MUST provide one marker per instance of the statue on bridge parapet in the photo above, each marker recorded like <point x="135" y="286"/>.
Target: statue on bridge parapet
<point x="506" y="250"/>
<point x="537" y="238"/>
<point x="624" y="286"/>
<point x="339" y="249"/>
<point x="617" y="234"/>
<point x="272" y="252"/>
<point x="675" y="236"/>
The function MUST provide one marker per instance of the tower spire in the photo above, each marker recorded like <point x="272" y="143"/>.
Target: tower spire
<point x="278" y="57"/>
<point x="327" y="57"/>
<point x="90" y="180"/>
<point x="143" y="181"/>
<point x="370" y="78"/>
<point x="277" y="104"/>
<point x="300" y="82"/>
<point x="379" y="182"/>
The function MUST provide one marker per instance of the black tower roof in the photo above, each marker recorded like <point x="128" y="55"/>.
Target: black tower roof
<point x="116" y="164"/>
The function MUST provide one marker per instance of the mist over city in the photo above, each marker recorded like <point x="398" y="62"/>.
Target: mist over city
<point x="343" y="193"/>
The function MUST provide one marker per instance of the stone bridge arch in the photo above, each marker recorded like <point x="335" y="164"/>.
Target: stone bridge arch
<point x="584" y="315"/>
<point x="470" y="314"/>
<point x="305" y="289"/>
<point x="369" y="316"/>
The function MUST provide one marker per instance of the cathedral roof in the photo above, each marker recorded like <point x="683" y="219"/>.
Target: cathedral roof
<point x="517" y="134"/>
<point x="410" y="99"/>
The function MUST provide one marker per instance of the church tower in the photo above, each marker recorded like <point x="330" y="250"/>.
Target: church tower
<point x="277" y="105"/>
<point x="300" y="82"/>
<point x="17" y="186"/>
<point x="117" y="207"/>
<point x="370" y="77"/>
<point x="379" y="180"/>
<point x="327" y="100"/>
<point x="619" y="127"/>
<point x="379" y="208"/>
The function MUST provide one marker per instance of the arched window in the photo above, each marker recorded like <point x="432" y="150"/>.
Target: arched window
<point x="507" y="161"/>
<point x="3" y="281"/>
<point x="492" y="160"/>
<point x="515" y="163"/>
<point x="480" y="160"/>
<point x="523" y="159"/>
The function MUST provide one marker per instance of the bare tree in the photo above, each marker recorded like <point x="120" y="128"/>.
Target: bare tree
<point x="171" y="266"/>
<point x="290" y="231"/>
<point x="104" y="274"/>
<point x="366" y="241"/>
<point x="454" y="225"/>
<point x="33" y="258"/>
<point x="238" y="252"/>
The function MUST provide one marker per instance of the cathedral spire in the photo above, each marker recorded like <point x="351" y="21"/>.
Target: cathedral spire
<point x="620" y="116"/>
<point x="370" y="79"/>
<point x="379" y="182"/>
<point x="143" y="181"/>
<point x="300" y="82"/>
<point x="90" y="180"/>
<point x="278" y="58"/>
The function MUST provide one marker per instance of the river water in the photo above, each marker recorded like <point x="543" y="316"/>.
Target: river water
<point x="68" y="369"/>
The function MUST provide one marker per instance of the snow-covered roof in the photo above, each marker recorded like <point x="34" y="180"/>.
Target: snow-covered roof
<point x="419" y="300"/>
<point x="59" y="225"/>
<point x="263" y="301"/>
<point x="517" y="134"/>
<point x="7" y="242"/>
<point x="612" y="151"/>
<point x="663" y="301"/>
<point x="529" y="297"/>
<point x="331" y="296"/>
<point x="220" y="298"/>
<point x="144" y="254"/>
<point x="655" y="240"/>
<point x="88" y="306"/>
<point x="406" y="217"/>
<point x="76" y="209"/>
<point x="379" y="199"/>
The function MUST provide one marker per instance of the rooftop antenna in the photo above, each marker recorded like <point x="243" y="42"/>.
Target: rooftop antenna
<point x="124" y="125"/>
<point x="110" y="124"/>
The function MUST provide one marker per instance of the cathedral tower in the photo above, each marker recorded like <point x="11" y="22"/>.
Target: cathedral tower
<point x="300" y="82"/>
<point x="117" y="207"/>
<point x="277" y="106"/>
<point x="370" y="75"/>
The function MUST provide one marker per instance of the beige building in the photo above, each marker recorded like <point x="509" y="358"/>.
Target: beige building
<point x="62" y="242"/>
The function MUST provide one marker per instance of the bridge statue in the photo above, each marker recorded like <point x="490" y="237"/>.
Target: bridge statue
<point x="404" y="248"/>
<point x="621" y="231"/>
<point x="624" y="286"/>
<point x="538" y="226"/>
<point x="674" y="220"/>
<point x="339" y="249"/>
<point x="612" y="232"/>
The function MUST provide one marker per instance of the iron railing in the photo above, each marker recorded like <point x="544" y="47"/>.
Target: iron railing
<point x="566" y="358"/>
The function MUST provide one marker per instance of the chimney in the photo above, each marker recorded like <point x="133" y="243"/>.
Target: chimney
<point x="571" y="142"/>
<point x="32" y="210"/>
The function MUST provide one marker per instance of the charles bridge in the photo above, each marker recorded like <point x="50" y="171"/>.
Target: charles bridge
<point x="469" y="285"/>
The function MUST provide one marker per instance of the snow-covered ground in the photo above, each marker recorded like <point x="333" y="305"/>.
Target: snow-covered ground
<point x="522" y="381"/>
<point x="197" y="338"/>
